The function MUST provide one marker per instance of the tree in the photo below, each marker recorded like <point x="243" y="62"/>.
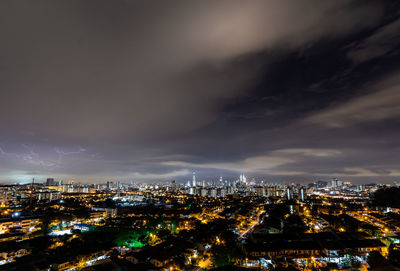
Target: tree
<point x="394" y="255"/>
<point x="223" y="255"/>
<point x="45" y="225"/>
<point x="164" y="234"/>
<point x="82" y="213"/>
<point x="375" y="256"/>
<point x="352" y="259"/>
<point x="294" y="224"/>
<point x="109" y="203"/>
<point x="278" y="210"/>
<point x="77" y="232"/>
<point x="130" y="238"/>
<point x="376" y="260"/>
<point x="387" y="197"/>
<point x="330" y="266"/>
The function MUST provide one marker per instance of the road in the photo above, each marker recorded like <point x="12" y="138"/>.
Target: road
<point x="249" y="229"/>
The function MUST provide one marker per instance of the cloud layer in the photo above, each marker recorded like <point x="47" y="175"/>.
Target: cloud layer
<point x="152" y="91"/>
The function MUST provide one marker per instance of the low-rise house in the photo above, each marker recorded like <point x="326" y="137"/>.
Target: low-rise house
<point x="24" y="225"/>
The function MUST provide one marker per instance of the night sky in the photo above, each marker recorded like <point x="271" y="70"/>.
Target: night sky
<point x="285" y="91"/>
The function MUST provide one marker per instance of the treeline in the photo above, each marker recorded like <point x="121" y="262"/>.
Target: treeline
<point x="386" y="197"/>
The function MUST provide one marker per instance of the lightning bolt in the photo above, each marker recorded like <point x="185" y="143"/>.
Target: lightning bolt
<point x="62" y="154"/>
<point x="32" y="157"/>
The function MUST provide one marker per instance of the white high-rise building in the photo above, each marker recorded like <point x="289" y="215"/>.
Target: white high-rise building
<point x="194" y="179"/>
<point x="242" y="178"/>
<point x="213" y="193"/>
<point x="289" y="193"/>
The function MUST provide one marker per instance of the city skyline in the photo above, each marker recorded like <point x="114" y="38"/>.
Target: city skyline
<point x="283" y="91"/>
<point x="192" y="181"/>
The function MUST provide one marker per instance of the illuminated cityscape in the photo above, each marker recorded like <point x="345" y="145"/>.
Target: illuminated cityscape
<point x="170" y="226"/>
<point x="199" y="135"/>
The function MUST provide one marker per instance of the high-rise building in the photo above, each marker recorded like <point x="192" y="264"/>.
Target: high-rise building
<point x="271" y="191"/>
<point x="260" y="191"/>
<point x="321" y="184"/>
<point x="289" y="193"/>
<point x="242" y="178"/>
<point x="50" y="182"/>
<point x="213" y="193"/>
<point x="194" y="179"/>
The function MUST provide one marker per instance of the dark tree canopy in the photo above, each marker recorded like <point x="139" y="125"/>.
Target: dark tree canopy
<point x="387" y="197"/>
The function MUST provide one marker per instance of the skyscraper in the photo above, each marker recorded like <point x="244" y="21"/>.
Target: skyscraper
<point x="194" y="179"/>
<point x="50" y="181"/>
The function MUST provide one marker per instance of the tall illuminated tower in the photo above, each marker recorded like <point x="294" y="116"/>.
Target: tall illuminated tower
<point x="194" y="179"/>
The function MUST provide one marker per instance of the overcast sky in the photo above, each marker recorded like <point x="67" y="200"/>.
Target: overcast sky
<point x="284" y="91"/>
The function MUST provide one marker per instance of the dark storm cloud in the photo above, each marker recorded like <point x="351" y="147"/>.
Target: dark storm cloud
<point x="154" y="90"/>
<point x="382" y="103"/>
<point x="385" y="40"/>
